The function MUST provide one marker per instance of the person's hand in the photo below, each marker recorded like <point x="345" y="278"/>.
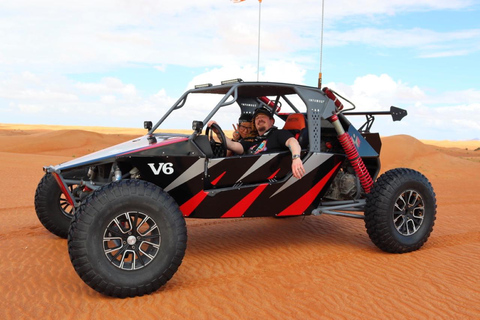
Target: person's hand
<point x="236" y="134"/>
<point x="209" y="124"/>
<point x="298" y="170"/>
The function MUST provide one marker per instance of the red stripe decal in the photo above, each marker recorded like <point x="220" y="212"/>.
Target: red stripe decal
<point x="156" y="145"/>
<point x="214" y="182"/>
<point x="298" y="207"/>
<point x="188" y="207"/>
<point x="239" y="209"/>
<point x="273" y="175"/>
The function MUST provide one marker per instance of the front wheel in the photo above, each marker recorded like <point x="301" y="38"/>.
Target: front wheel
<point x="400" y="211"/>
<point x="127" y="239"/>
<point x="52" y="207"/>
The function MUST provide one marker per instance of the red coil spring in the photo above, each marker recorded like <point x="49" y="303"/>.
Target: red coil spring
<point x="356" y="162"/>
<point x="333" y="97"/>
<point x="270" y="103"/>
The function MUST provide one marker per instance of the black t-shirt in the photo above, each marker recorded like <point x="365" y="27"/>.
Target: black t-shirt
<point x="271" y="141"/>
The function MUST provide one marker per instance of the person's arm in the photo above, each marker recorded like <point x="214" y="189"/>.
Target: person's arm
<point x="234" y="146"/>
<point x="231" y="145"/>
<point x="298" y="170"/>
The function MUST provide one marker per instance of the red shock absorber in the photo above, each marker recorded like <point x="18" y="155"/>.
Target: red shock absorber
<point x="270" y="103"/>
<point x="267" y="101"/>
<point x="333" y="97"/>
<point x="352" y="154"/>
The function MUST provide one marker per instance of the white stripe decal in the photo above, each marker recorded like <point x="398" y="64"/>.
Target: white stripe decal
<point x="213" y="162"/>
<point x="264" y="158"/>
<point x="193" y="171"/>
<point x="312" y="163"/>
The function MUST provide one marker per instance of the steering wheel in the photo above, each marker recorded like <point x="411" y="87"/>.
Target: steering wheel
<point x="219" y="148"/>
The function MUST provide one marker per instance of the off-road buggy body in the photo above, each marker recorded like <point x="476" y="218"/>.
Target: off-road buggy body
<point x="123" y="208"/>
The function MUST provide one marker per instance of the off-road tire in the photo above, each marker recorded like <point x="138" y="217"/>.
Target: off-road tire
<point x="395" y="230"/>
<point x="48" y="206"/>
<point x="103" y="211"/>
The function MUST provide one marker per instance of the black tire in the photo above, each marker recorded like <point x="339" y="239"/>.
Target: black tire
<point x="106" y="231"/>
<point x="400" y="211"/>
<point x="52" y="208"/>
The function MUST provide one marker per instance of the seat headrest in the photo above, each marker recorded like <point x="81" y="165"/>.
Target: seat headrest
<point x="295" y="121"/>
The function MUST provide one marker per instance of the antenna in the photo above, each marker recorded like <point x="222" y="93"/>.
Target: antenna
<point x="259" y="19"/>
<point x="321" y="48"/>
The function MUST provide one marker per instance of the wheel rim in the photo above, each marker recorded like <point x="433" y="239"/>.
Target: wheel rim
<point x="65" y="206"/>
<point x="131" y="240"/>
<point x="409" y="213"/>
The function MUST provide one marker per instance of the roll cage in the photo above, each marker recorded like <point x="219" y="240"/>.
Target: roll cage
<point x="251" y="95"/>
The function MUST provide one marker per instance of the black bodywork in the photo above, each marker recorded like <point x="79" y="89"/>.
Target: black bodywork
<point x="207" y="186"/>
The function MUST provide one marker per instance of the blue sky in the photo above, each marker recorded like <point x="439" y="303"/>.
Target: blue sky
<point x="117" y="63"/>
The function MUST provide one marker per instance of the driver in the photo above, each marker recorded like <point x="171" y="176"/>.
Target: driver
<point x="269" y="139"/>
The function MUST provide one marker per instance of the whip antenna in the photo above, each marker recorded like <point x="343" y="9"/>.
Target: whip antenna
<point x="321" y="48"/>
<point x="259" y="19"/>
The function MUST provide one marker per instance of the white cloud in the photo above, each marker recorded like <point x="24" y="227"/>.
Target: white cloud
<point x="429" y="43"/>
<point x="447" y="115"/>
<point x="107" y="85"/>
<point x="344" y="8"/>
<point x="36" y="98"/>
<point x="30" y="108"/>
<point x="108" y="99"/>
<point x="273" y="71"/>
<point x="161" y="67"/>
<point x="444" y="54"/>
<point x="74" y="37"/>
<point x="451" y="115"/>
<point x="53" y="38"/>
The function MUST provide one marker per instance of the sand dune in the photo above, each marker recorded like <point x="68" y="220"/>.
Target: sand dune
<point x="301" y="268"/>
<point x="61" y="142"/>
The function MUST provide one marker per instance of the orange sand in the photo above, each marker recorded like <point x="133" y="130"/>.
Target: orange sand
<point x="298" y="268"/>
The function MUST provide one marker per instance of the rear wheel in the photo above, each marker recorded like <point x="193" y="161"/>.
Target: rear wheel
<point x="400" y="211"/>
<point x="127" y="239"/>
<point x="52" y="207"/>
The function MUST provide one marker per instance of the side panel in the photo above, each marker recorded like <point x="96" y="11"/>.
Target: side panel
<point x="233" y="193"/>
<point x="181" y="177"/>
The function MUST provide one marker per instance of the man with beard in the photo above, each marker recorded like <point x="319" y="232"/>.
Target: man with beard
<point x="269" y="139"/>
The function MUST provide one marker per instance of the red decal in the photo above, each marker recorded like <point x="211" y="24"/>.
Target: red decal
<point x="273" y="175"/>
<point x="214" y="182"/>
<point x="299" y="206"/>
<point x="156" y="145"/>
<point x="239" y="209"/>
<point x="188" y="207"/>
<point x="64" y="188"/>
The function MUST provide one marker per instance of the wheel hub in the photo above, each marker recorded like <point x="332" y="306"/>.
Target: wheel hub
<point x="408" y="213"/>
<point x="131" y="240"/>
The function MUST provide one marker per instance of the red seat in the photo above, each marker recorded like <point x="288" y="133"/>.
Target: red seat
<point x="296" y="124"/>
<point x="295" y="121"/>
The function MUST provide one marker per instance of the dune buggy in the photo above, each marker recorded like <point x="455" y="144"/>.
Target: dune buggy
<point x="123" y="208"/>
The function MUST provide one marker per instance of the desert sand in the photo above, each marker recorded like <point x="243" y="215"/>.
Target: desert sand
<point x="314" y="267"/>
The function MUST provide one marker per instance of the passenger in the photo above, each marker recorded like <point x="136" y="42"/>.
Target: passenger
<point x="269" y="139"/>
<point x="243" y="129"/>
